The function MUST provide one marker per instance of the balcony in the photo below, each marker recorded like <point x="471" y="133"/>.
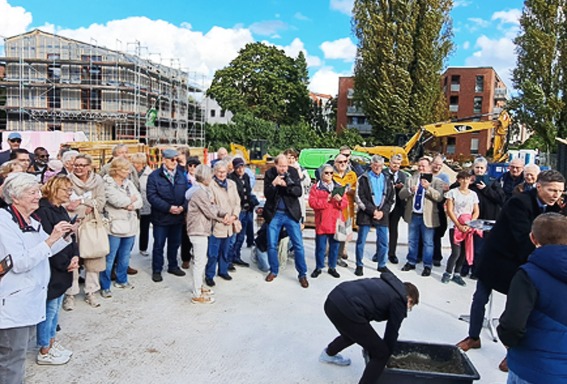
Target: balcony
<point x="364" y="129"/>
<point x="354" y="111"/>
<point x="500" y="93"/>
<point x="350" y="93"/>
<point x="455" y="87"/>
<point x="454" y="108"/>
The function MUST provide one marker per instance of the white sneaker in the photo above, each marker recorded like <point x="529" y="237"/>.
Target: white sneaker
<point x="53" y="357"/>
<point x="144" y="253"/>
<point x="337" y="359"/>
<point x="207" y="291"/>
<point x="69" y="303"/>
<point x="202" y="300"/>
<point x="106" y="293"/>
<point x="91" y="300"/>
<point x="61" y="349"/>
<point x="126" y="285"/>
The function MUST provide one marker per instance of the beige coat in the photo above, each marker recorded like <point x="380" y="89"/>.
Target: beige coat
<point x="228" y="201"/>
<point x="118" y="198"/>
<point x="433" y="195"/>
<point x="202" y="213"/>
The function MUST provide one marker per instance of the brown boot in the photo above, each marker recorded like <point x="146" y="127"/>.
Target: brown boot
<point x="185" y="265"/>
<point x="503" y="366"/>
<point x="468" y="343"/>
<point x="132" y="271"/>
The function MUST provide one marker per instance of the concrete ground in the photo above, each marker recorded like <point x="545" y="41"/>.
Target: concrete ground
<point x="256" y="332"/>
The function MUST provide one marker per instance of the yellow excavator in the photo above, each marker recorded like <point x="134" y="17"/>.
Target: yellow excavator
<point x="449" y="128"/>
<point x="257" y="154"/>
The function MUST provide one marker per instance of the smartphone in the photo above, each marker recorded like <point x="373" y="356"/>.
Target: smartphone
<point x="72" y="221"/>
<point x="427" y="176"/>
<point x="6" y="265"/>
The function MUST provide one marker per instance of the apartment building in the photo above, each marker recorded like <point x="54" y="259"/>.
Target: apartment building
<point x="349" y="115"/>
<point x="51" y="82"/>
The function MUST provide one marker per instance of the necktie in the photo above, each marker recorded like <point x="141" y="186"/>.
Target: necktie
<point x="418" y="198"/>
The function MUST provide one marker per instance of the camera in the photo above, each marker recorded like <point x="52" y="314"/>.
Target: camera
<point x="287" y="178"/>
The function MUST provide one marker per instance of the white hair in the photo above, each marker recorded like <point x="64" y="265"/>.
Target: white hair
<point x="377" y="159"/>
<point x="204" y="173"/>
<point x="16" y="184"/>
<point x="220" y="164"/>
<point x="69" y="155"/>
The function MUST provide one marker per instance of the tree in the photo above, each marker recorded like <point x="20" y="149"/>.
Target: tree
<point x="539" y="76"/>
<point x="265" y="82"/>
<point x="402" y="46"/>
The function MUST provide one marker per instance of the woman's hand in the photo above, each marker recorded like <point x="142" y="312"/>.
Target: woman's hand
<point x="74" y="264"/>
<point x="59" y="230"/>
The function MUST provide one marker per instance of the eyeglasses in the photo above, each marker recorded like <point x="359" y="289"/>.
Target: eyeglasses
<point x="80" y="165"/>
<point x="515" y="167"/>
<point x="328" y="173"/>
<point x="341" y="162"/>
<point x="42" y="156"/>
<point x="15" y="140"/>
<point x="346" y="154"/>
<point x="174" y="160"/>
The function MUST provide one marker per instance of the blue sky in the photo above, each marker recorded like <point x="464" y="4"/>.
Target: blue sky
<point x="203" y="36"/>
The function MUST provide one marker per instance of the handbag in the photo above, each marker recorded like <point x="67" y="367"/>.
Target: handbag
<point x="120" y="227"/>
<point x="343" y="230"/>
<point x="93" y="237"/>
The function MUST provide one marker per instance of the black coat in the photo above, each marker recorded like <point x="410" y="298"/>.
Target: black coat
<point x="290" y="194"/>
<point x="60" y="279"/>
<point x="490" y="200"/>
<point x="400" y="205"/>
<point x="365" y="201"/>
<point x="508" y="244"/>
<point x="162" y="195"/>
<point x="375" y="299"/>
<point x="244" y="190"/>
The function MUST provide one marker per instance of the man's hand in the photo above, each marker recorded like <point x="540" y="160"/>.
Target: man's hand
<point x="378" y="215"/>
<point x="175" y="210"/>
<point x="279" y="181"/>
<point x="424" y="183"/>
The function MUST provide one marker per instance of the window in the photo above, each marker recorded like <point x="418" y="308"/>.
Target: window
<point x="91" y="74"/>
<point x="213" y="113"/>
<point x="455" y="83"/>
<point x="474" y="146"/>
<point x="454" y="104"/>
<point x="479" y="84"/>
<point x="90" y="99"/>
<point x="222" y="113"/>
<point x="451" y="144"/>
<point x="54" y="98"/>
<point x="477" y="104"/>
<point x="54" y="68"/>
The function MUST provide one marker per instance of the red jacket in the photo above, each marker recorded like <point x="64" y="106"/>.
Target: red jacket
<point x="326" y="212"/>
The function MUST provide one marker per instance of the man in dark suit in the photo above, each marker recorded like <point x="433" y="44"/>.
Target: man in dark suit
<point x="398" y="179"/>
<point x="14" y="141"/>
<point x="508" y="246"/>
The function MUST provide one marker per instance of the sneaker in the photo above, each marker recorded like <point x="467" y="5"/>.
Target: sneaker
<point x="459" y="280"/>
<point x="125" y="285"/>
<point x="202" y="300"/>
<point x="469" y="343"/>
<point x="316" y="273"/>
<point x="408" y="267"/>
<point x="61" y="349"/>
<point x="342" y="263"/>
<point x="337" y="359"/>
<point x="207" y="291"/>
<point x="426" y="272"/>
<point x="91" y="300"/>
<point x="358" y="271"/>
<point x="53" y="357"/>
<point x="144" y="253"/>
<point x="69" y="303"/>
<point x="445" y="278"/>
<point x="106" y="293"/>
<point x="333" y="272"/>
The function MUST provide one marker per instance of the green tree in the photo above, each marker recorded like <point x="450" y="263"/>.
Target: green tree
<point x="402" y="45"/>
<point x="539" y="76"/>
<point x="265" y="82"/>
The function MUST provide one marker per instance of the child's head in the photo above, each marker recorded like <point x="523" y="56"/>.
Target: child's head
<point x="549" y="229"/>
<point x="463" y="175"/>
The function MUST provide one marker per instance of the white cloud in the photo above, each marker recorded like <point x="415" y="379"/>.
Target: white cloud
<point x="15" y="20"/>
<point x="268" y="28"/>
<point x="477" y="22"/>
<point x="343" y="49"/>
<point x="461" y="3"/>
<point x="511" y="16"/>
<point x="301" y="16"/>
<point x="343" y="6"/>
<point x="496" y="53"/>
<point x="293" y="49"/>
<point x="466" y="45"/>
<point x="326" y="80"/>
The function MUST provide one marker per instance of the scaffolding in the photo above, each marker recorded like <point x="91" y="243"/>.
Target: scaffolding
<point x="54" y="83"/>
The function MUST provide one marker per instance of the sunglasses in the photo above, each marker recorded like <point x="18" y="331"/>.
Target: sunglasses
<point x="346" y="154"/>
<point x="15" y="140"/>
<point x="341" y="162"/>
<point x="174" y="160"/>
<point x="328" y="173"/>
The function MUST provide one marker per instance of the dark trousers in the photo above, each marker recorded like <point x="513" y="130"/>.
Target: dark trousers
<point x="478" y="308"/>
<point x="439" y="233"/>
<point x="171" y="233"/>
<point x="362" y="334"/>
<point x="393" y="223"/>
<point x="250" y="232"/>
<point x="13" y="349"/>
<point x="144" y="232"/>
<point x="186" y="246"/>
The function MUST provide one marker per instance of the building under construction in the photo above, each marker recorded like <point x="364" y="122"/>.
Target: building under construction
<point x="49" y="82"/>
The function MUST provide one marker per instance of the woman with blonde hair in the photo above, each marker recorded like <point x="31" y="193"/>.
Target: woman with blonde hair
<point x="62" y="264"/>
<point x="122" y="201"/>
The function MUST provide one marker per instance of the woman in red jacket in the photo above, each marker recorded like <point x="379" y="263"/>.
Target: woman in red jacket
<point x="328" y="209"/>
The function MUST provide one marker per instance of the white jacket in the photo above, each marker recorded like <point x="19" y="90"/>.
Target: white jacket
<point x="117" y="201"/>
<point x="23" y="290"/>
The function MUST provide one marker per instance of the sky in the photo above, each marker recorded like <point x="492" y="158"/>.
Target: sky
<point x="203" y="36"/>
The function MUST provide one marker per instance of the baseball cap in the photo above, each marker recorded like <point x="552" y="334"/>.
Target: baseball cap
<point x="14" y="135"/>
<point x="237" y="162"/>
<point x="169" y="154"/>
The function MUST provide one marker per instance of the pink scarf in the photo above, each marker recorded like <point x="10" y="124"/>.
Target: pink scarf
<point x="467" y="237"/>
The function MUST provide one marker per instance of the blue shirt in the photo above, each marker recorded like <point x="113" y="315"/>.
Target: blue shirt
<point x="377" y="187"/>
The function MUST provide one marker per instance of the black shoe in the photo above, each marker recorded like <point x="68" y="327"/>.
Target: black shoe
<point x="209" y="282"/>
<point x="333" y="272"/>
<point x="408" y="267"/>
<point x="383" y="269"/>
<point x="157" y="277"/>
<point x="177" y="272"/>
<point x="316" y="273"/>
<point x="426" y="272"/>
<point x="225" y="277"/>
<point x="436" y="263"/>
<point x="241" y="263"/>
<point x="358" y="271"/>
<point x="393" y="259"/>
<point x="375" y="258"/>
<point x="342" y="263"/>
<point x="231" y="268"/>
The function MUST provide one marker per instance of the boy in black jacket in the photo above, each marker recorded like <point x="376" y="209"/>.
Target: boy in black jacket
<point x="352" y="305"/>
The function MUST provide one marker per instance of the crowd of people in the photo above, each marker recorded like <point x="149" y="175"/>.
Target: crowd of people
<point x="205" y="215"/>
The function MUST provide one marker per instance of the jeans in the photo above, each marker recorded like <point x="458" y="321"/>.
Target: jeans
<point x="217" y="254"/>
<point x="320" y="248"/>
<point x="120" y="249"/>
<point x="47" y="329"/>
<point x="416" y="228"/>
<point x="478" y="307"/>
<point x="382" y="236"/>
<point x="144" y="232"/>
<point x="515" y="379"/>
<point x="171" y="233"/>
<point x="293" y="228"/>
<point x="245" y="217"/>
<point x="262" y="259"/>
